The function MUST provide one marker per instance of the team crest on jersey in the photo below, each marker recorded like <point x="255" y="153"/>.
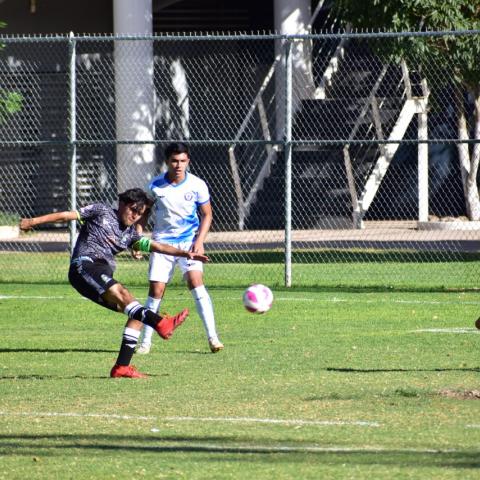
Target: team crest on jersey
<point x="105" y="278"/>
<point x="188" y="196"/>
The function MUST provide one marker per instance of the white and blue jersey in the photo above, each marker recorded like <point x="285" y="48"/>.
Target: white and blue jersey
<point x="176" y="205"/>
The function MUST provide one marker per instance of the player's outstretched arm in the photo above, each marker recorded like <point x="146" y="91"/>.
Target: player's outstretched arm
<point x="147" y="245"/>
<point x="29" y="223"/>
<point x="169" y="250"/>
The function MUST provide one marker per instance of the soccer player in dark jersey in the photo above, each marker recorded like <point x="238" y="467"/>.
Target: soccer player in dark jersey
<point x="104" y="233"/>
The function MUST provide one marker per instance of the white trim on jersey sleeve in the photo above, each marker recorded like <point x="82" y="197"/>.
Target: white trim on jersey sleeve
<point x="203" y="193"/>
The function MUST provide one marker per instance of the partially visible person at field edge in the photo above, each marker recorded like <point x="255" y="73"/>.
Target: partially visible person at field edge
<point x="179" y="198"/>
<point x="104" y="233"/>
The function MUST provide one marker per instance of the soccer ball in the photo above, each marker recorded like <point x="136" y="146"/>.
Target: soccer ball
<point x="257" y="298"/>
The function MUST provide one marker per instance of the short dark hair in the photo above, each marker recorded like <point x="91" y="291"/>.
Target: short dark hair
<point x="135" y="196"/>
<point x="175" y="148"/>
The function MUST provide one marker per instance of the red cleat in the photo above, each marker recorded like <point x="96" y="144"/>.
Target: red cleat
<point x="168" y="324"/>
<point x="126" y="371"/>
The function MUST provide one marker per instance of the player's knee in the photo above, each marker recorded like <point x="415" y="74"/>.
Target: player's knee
<point x="194" y="279"/>
<point x="122" y="295"/>
<point x="127" y="297"/>
<point x="156" y="290"/>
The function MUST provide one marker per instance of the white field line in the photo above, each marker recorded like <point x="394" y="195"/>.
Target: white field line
<point x="472" y="426"/>
<point x="77" y="415"/>
<point x="294" y="422"/>
<point x="407" y="302"/>
<point x="358" y="423"/>
<point x="281" y="299"/>
<point x="447" y="330"/>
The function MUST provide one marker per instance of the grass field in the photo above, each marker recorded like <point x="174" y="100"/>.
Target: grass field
<point x="330" y="383"/>
<point x="379" y="269"/>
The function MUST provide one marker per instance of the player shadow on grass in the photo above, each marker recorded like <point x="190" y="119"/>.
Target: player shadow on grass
<point x="56" y="350"/>
<point x="51" y="377"/>
<point x="36" y="376"/>
<point x="49" y="445"/>
<point x="386" y="370"/>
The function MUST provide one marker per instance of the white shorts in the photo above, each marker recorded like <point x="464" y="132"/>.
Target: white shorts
<point x="162" y="267"/>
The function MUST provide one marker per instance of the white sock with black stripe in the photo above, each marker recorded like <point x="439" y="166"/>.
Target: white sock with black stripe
<point x="136" y="311"/>
<point x="133" y="309"/>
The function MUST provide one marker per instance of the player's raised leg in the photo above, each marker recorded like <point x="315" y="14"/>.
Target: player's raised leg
<point x="163" y="325"/>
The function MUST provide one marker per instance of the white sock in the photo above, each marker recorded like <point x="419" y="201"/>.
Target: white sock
<point x="152" y="304"/>
<point x="130" y="337"/>
<point x="205" y="310"/>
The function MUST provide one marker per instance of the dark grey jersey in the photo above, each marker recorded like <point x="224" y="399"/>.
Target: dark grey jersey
<point x="102" y="236"/>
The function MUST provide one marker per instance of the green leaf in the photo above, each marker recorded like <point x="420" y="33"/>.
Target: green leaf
<point x="10" y="103"/>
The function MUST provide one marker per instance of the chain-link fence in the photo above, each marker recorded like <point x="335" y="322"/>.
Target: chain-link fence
<point x="331" y="159"/>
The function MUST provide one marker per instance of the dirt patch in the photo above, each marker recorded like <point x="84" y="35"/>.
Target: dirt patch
<point x="462" y="395"/>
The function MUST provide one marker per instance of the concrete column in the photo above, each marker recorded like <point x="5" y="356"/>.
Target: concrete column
<point x="293" y="17"/>
<point x="134" y="93"/>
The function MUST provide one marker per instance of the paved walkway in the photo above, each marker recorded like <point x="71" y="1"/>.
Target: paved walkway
<point x="382" y="235"/>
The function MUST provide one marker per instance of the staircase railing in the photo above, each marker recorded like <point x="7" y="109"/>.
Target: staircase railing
<point x="245" y="202"/>
<point x="332" y="68"/>
<point x="411" y="106"/>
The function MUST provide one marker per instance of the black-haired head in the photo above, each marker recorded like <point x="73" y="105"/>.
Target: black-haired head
<point x="175" y="148"/>
<point x="135" y="196"/>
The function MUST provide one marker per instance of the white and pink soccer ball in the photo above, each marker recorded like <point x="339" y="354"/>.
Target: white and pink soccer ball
<point x="257" y="298"/>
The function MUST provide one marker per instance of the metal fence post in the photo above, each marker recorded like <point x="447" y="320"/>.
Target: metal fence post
<point x="73" y="138"/>
<point x="288" y="163"/>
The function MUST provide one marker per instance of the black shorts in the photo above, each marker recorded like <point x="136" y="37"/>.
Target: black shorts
<point x="92" y="278"/>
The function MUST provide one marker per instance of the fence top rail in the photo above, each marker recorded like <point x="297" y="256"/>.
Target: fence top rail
<point x="230" y="142"/>
<point x="206" y="36"/>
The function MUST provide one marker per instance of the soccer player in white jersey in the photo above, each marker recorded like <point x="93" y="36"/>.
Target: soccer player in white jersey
<point x="179" y="196"/>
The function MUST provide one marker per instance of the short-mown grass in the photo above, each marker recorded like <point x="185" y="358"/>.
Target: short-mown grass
<point x="377" y="269"/>
<point x="331" y="383"/>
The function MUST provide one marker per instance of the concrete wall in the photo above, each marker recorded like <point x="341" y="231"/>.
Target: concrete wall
<point x="96" y="16"/>
<point x="56" y="16"/>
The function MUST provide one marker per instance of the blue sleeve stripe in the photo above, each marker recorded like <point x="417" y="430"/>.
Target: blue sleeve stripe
<point x="157" y="182"/>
